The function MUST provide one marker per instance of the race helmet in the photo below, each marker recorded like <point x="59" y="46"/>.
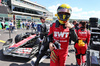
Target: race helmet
<point x="63" y="13"/>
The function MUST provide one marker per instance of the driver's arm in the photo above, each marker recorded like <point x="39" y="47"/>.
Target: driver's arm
<point x="73" y="35"/>
<point x="50" y="37"/>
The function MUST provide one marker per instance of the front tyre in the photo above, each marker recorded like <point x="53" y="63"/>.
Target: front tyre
<point x="18" y="38"/>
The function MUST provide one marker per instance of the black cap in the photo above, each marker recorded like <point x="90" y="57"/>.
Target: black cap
<point x="42" y="17"/>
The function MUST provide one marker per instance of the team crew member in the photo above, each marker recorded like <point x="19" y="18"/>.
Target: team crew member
<point x="75" y="24"/>
<point x="11" y="26"/>
<point x="45" y="45"/>
<point x="60" y="31"/>
<point x="3" y="24"/>
<point x="82" y="43"/>
<point x="43" y="28"/>
<point x="33" y="25"/>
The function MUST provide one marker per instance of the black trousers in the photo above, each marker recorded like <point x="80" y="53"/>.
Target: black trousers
<point x="43" y="50"/>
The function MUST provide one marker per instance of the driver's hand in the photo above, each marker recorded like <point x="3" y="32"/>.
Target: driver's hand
<point x="67" y="24"/>
<point x="51" y="46"/>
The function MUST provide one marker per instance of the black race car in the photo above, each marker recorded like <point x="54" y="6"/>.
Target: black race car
<point x="26" y="45"/>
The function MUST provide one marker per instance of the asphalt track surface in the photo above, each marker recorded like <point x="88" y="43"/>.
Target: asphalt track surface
<point x="16" y="61"/>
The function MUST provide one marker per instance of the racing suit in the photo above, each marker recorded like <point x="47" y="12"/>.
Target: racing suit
<point x="61" y="34"/>
<point x="76" y="27"/>
<point x="83" y="34"/>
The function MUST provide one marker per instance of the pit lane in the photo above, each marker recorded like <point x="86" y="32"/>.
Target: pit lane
<point x="16" y="61"/>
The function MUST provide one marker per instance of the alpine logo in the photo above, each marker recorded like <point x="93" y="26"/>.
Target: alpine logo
<point x="61" y="34"/>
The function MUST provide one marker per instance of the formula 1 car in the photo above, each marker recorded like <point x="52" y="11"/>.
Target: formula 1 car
<point x="25" y="45"/>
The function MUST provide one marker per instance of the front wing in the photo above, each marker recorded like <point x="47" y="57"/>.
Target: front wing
<point x="20" y="52"/>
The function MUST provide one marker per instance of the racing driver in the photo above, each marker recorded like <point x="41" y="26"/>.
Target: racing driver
<point x="60" y="31"/>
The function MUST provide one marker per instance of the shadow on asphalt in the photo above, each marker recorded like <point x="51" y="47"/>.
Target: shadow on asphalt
<point x="14" y="64"/>
<point x="47" y="64"/>
<point x="12" y="59"/>
<point x="28" y="64"/>
<point x="70" y="49"/>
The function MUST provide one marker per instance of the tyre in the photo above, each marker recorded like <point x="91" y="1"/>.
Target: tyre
<point x="18" y="38"/>
<point x="93" y="19"/>
<point x="93" y="24"/>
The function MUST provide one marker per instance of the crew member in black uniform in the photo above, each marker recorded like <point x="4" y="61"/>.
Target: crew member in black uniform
<point x="42" y="50"/>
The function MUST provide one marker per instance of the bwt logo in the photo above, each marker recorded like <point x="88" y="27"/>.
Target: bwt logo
<point x="82" y="32"/>
<point x="61" y="34"/>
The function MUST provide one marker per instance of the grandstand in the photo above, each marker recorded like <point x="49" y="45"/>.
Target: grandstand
<point x="23" y="10"/>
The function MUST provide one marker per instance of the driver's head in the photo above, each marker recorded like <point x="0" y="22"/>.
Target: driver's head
<point x="42" y="19"/>
<point x="63" y="13"/>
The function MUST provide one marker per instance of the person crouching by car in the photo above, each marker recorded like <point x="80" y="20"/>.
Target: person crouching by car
<point x="82" y="43"/>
